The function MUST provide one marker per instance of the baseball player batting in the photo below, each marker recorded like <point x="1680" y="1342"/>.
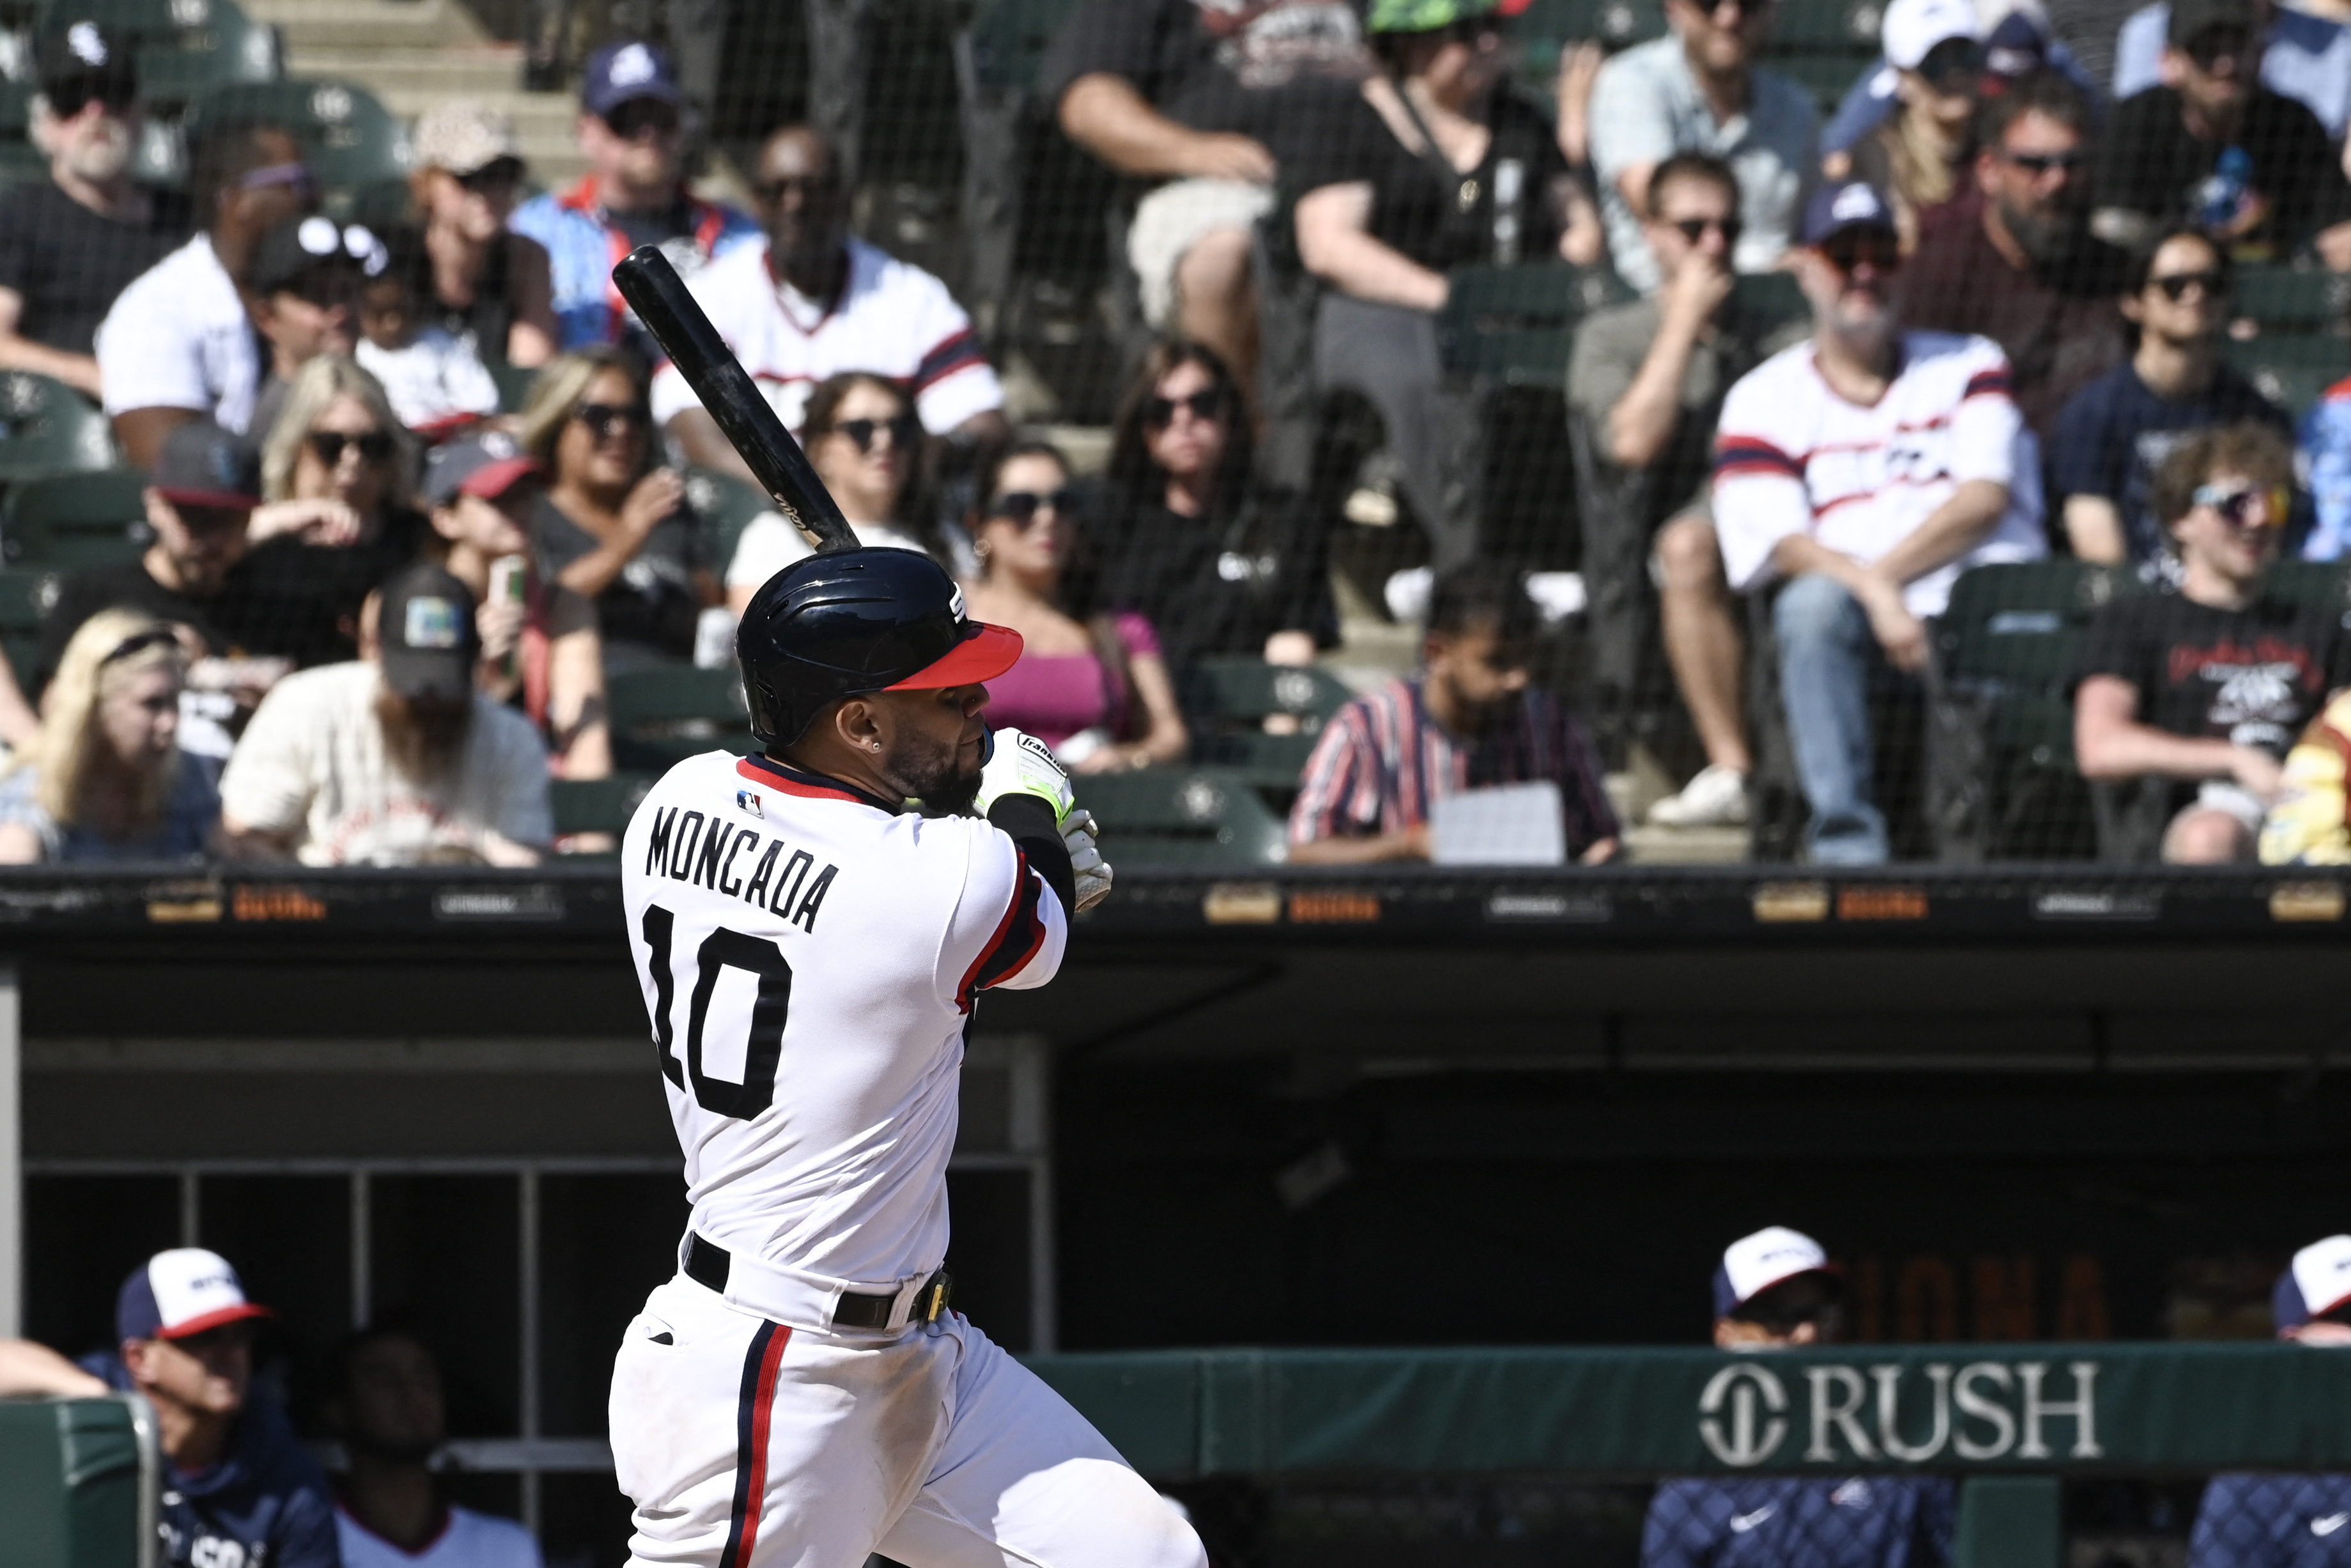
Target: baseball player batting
<point x="802" y="1392"/>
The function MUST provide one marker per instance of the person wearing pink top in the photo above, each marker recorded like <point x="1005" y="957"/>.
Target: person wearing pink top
<point x="1096" y="691"/>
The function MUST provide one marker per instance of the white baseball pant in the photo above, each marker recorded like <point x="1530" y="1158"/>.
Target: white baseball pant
<point x="746" y="1444"/>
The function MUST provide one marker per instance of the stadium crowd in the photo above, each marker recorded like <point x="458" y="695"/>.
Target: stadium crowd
<point x="421" y="497"/>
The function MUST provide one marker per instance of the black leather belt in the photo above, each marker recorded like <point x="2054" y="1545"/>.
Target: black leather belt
<point x="706" y="1263"/>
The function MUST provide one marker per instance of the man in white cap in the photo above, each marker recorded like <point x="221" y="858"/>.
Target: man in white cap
<point x="2287" y="1520"/>
<point x="1774" y="1289"/>
<point x="242" y="1487"/>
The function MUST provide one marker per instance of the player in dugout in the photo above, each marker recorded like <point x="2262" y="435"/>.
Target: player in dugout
<point x="1774" y="1290"/>
<point x="810" y="951"/>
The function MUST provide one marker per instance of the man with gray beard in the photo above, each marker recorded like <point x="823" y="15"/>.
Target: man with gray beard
<point x="2015" y="261"/>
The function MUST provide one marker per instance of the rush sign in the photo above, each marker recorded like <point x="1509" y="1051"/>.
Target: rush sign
<point x="1909" y="1412"/>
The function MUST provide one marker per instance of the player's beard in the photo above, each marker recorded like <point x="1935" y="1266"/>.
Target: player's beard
<point x="422" y="740"/>
<point x="934" y="773"/>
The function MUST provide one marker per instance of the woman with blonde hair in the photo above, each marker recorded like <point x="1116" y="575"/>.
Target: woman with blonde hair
<point x="337" y="470"/>
<point x="613" y="524"/>
<point x="104" y="778"/>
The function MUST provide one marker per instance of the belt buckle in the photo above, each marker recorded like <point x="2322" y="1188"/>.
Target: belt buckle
<point x="939" y="1285"/>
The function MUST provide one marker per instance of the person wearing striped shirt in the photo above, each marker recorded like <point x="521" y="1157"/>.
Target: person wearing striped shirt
<point x="1469" y="719"/>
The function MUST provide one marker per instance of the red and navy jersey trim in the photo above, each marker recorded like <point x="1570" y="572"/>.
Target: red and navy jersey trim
<point x="1738" y="455"/>
<point x="1018" y="936"/>
<point x="1993" y="382"/>
<point x="753" y="1410"/>
<point x="959" y="352"/>
<point x="786" y="781"/>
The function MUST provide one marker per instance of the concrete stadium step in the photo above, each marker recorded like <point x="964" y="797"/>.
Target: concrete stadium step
<point x="369" y="24"/>
<point x="492" y="70"/>
<point x="1647" y="845"/>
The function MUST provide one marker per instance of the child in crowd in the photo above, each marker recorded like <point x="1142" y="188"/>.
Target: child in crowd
<point x="436" y="378"/>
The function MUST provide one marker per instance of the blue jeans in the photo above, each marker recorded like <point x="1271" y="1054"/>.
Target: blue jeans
<point x="1828" y="659"/>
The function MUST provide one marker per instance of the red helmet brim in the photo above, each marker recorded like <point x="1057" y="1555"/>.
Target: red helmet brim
<point x="975" y="659"/>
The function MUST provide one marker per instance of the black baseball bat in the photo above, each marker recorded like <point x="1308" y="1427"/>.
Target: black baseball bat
<point x="660" y="298"/>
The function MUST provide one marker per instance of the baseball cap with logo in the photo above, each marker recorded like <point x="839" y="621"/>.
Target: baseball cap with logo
<point x="301" y="245"/>
<point x="2191" y="18"/>
<point x="83" y="60"/>
<point x="619" y="72"/>
<point x="1836" y="208"/>
<point x="488" y="465"/>
<point x="464" y="136"/>
<point x="1753" y="1264"/>
<point x="426" y="639"/>
<point x="1913" y="28"/>
<point x="2318" y="1282"/>
<point x="184" y="1292"/>
<point x="2015" y="50"/>
<point x="202" y="465"/>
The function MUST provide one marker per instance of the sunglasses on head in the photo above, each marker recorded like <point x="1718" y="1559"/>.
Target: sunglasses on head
<point x="605" y="419"/>
<point x="139" y="643"/>
<point x="1694" y="229"/>
<point x="2235" y="503"/>
<point x="1206" y="404"/>
<point x="293" y="177"/>
<point x="498" y="174"/>
<point x="2175" y="285"/>
<point x="639" y="115"/>
<point x="375" y="446"/>
<point x="903" y="429"/>
<point x="1022" y="506"/>
<point x="1875" y="248"/>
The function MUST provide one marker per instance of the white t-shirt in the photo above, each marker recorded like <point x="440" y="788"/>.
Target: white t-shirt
<point x="809" y="959"/>
<point x="894" y="319"/>
<point x="178" y="337"/>
<point x="770" y="544"/>
<point x="467" y="1539"/>
<point x="1794" y="458"/>
<point x="436" y="378"/>
<point x="312" y="762"/>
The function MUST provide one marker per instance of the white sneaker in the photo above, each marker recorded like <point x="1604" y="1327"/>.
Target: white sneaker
<point x="1717" y="798"/>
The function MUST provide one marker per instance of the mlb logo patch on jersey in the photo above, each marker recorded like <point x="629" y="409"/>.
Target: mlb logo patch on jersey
<point x="749" y="800"/>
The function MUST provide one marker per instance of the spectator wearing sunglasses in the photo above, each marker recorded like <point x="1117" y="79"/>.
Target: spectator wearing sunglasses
<point x="2217" y="148"/>
<point x="437" y="383"/>
<point x="1773" y="1291"/>
<point x="488" y="284"/>
<point x="336" y="517"/>
<point x="2013" y="259"/>
<point x="631" y="131"/>
<point x="864" y="438"/>
<point x="817" y="301"/>
<point x="2200" y="693"/>
<point x="1698" y="89"/>
<point x="1645" y="385"/>
<point x="2018" y="46"/>
<point x="303" y="290"/>
<point x="1917" y="157"/>
<point x="178" y="344"/>
<point x="1218" y="562"/>
<point x="2116" y="433"/>
<point x="71" y="244"/>
<point x="2306" y="57"/>
<point x="613" y="524"/>
<point x="104" y="778"/>
<point x="1857" y="475"/>
<point x="1096" y="691"/>
<point x="1437" y="164"/>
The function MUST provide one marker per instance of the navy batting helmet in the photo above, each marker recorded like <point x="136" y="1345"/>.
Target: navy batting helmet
<point x="855" y="622"/>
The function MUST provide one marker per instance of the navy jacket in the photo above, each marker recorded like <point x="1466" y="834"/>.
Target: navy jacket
<point x="2273" y="1522"/>
<point x="1770" y="1522"/>
<point x="264" y="1505"/>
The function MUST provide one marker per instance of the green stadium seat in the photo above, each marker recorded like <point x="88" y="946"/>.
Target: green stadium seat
<point x="1827" y="74"/>
<point x="76" y="519"/>
<point x="47" y="427"/>
<point x="1773" y="298"/>
<point x="666" y="713"/>
<point x="1546" y="28"/>
<point x="513" y="384"/>
<point x="1852" y="28"/>
<point x="351" y="140"/>
<point x="25" y="599"/>
<point x="15" y="108"/>
<point x="2292" y="371"/>
<point x="725" y="506"/>
<point x="1515" y="324"/>
<point x="21" y="164"/>
<point x="230" y="49"/>
<point x="72" y="1474"/>
<point x="594" y="805"/>
<point x="2322" y="584"/>
<point x="1251" y="690"/>
<point x="2291" y="300"/>
<point x="386" y="203"/>
<point x="1182" y="817"/>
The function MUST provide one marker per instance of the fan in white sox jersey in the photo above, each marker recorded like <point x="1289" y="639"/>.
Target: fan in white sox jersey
<point x="810" y="951"/>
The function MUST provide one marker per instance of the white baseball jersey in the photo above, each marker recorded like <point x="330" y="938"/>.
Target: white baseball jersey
<point x="893" y="319"/>
<point x="467" y="1539"/>
<point x="809" y="958"/>
<point x="178" y="337"/>
<point x="1791" y="457"/>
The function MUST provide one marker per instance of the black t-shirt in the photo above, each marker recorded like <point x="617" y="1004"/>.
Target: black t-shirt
<point x="1209" y="587"/>
<point x="2116" y="432"/>
<point x="490" y="317"/>
<point x="1438" y="217"/>
<point x="1273" y="69"/>
<point x="2279" y="158"/>
<point x="652" y="604"/>
<point x="2253" y="677"/>
<point x="68" y="263"/>
<point x="302" y="602"/>
<point x="126" y="586"/>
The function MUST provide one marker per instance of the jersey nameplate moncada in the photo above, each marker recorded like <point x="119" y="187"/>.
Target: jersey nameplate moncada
<point x="739" y="862"/>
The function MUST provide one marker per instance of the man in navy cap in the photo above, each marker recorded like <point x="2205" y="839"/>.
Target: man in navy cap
<point x="1774" y="1289"/>
<point x="2287" y="1520"/>
<point x="1857" y="475"/>
<point x="634" y="194"/>
<point x="241" y="1487"/>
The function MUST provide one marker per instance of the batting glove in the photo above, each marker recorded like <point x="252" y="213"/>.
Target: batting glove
<point x="1094" y="873"/>
<point x="1020" y="764"/>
